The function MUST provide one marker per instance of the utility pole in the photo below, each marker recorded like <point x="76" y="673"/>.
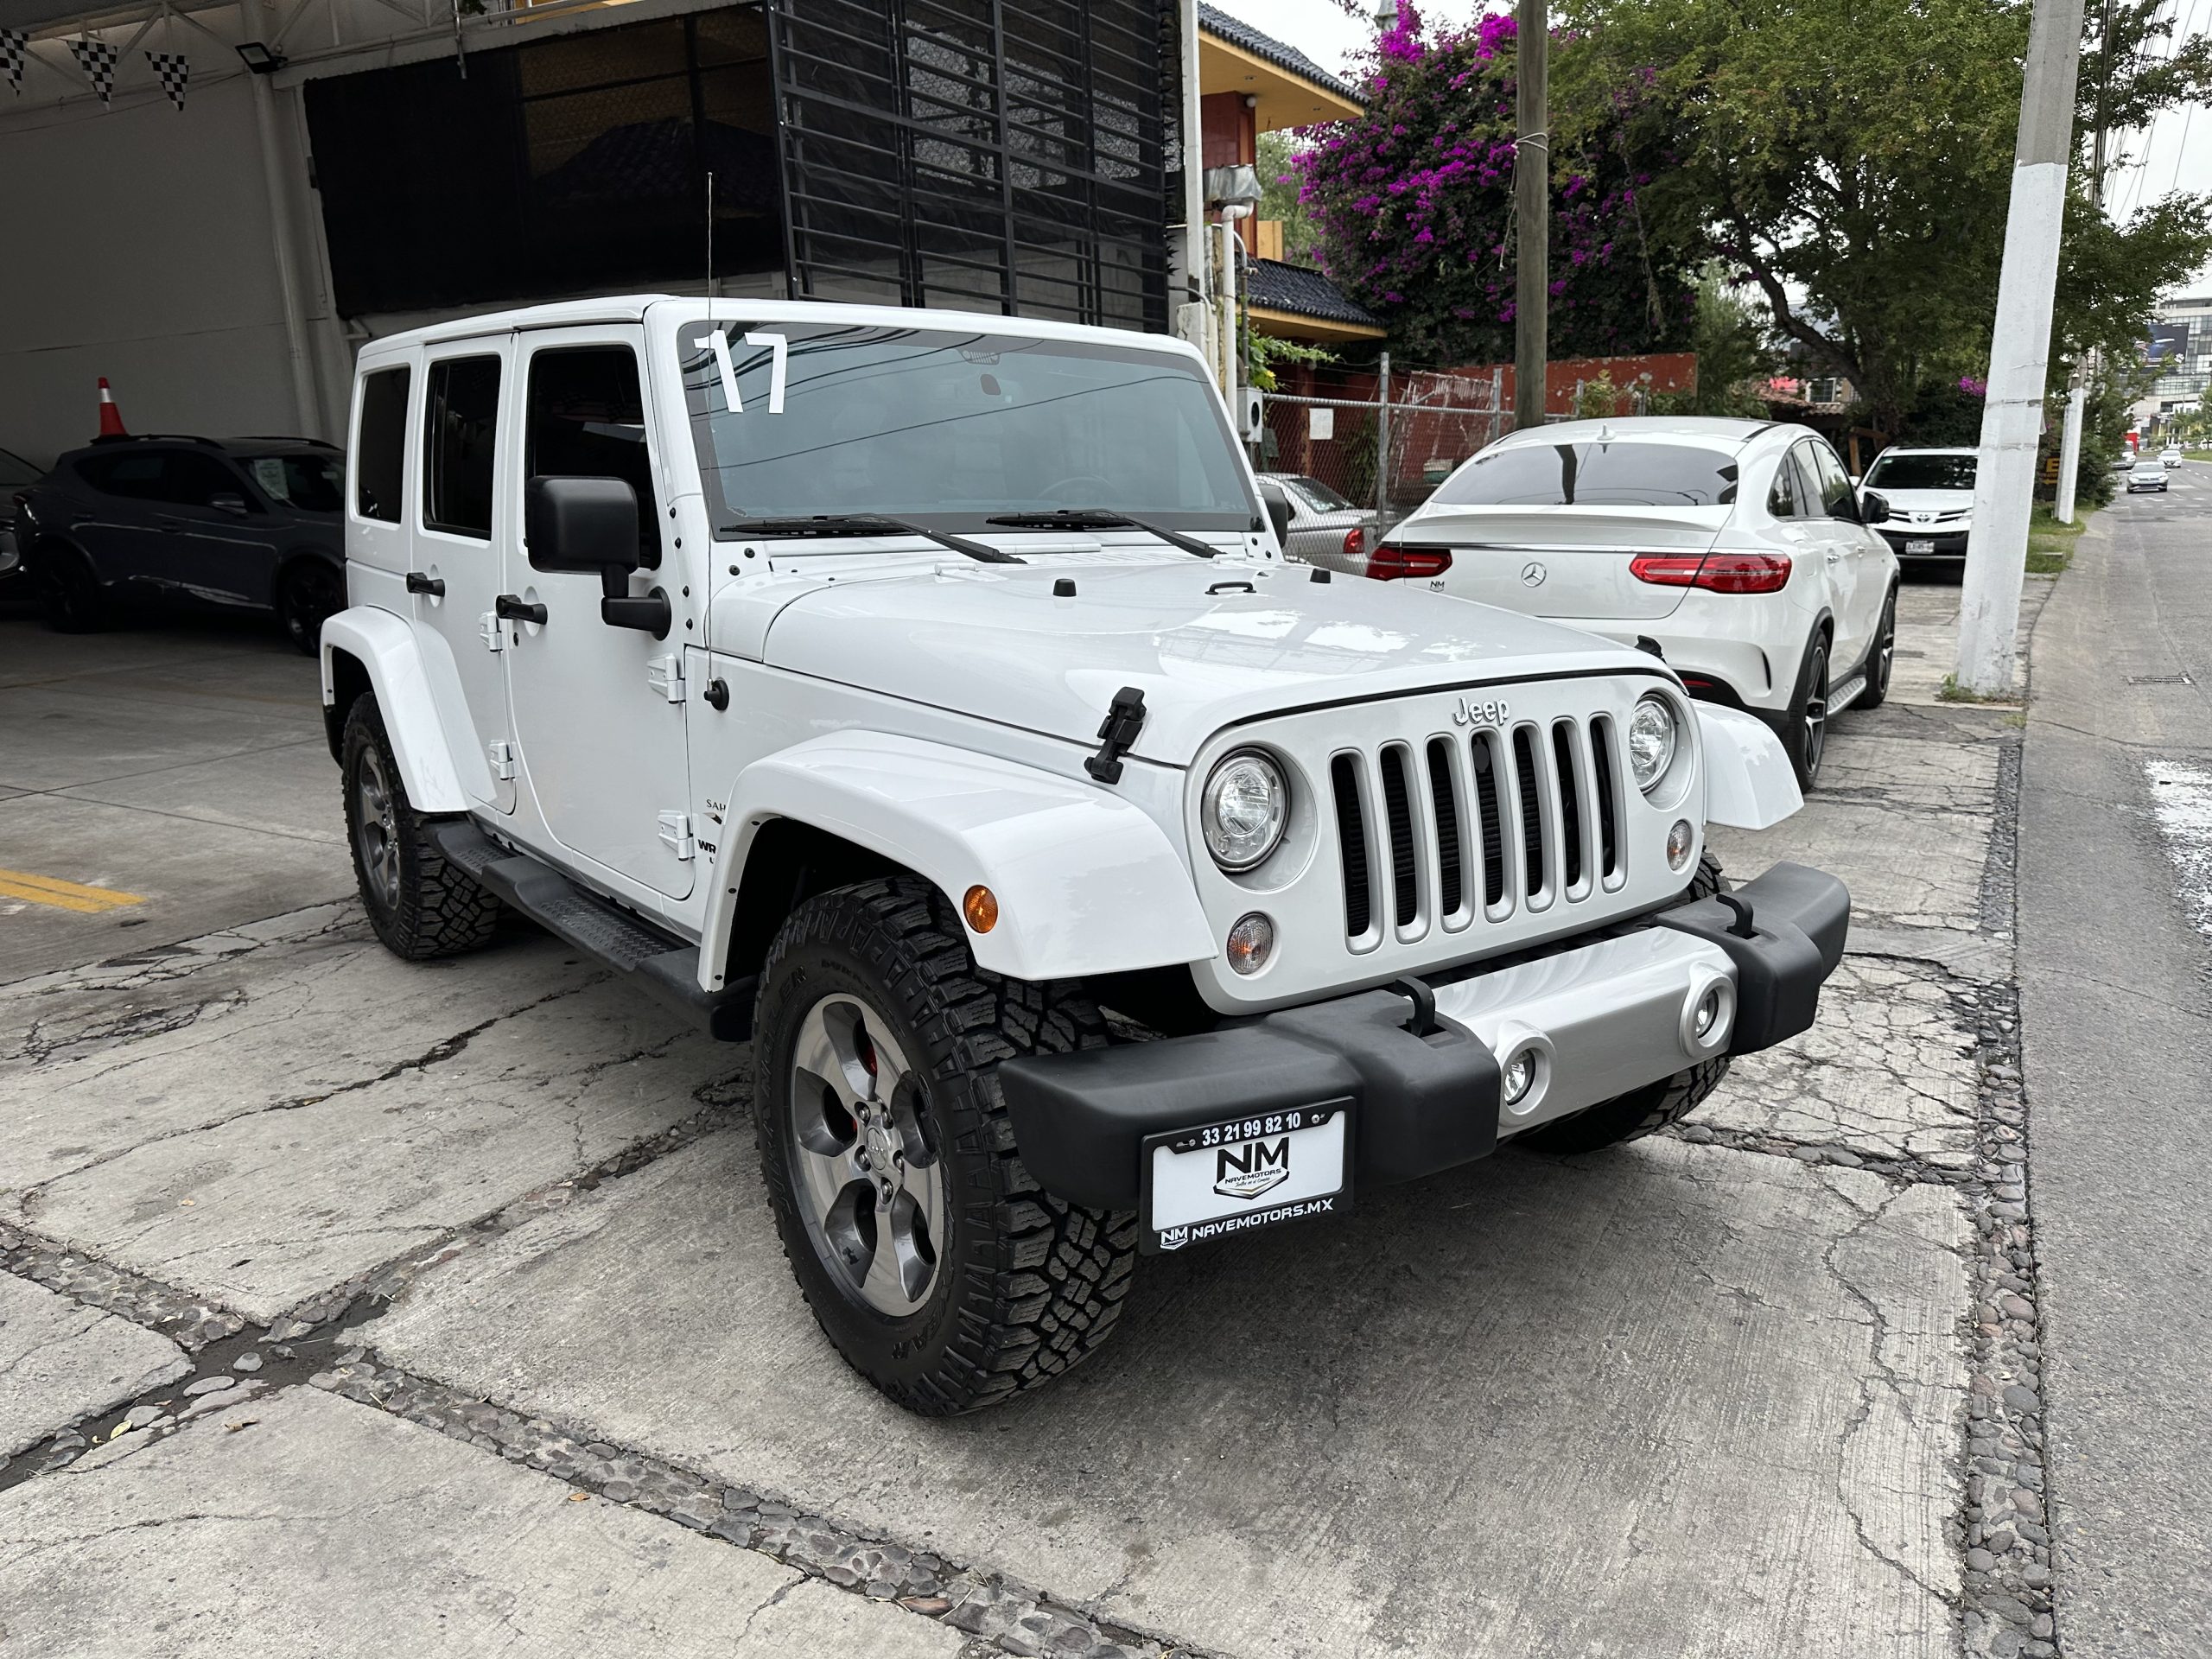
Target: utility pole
<point x="1532" y="202"/>
<point x="2069" y="448"/>
<point x="2019" y="354"/>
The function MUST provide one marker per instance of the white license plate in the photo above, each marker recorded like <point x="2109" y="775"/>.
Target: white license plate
<point x="1247" y="1173"/>
<point x="1919" y="547"/>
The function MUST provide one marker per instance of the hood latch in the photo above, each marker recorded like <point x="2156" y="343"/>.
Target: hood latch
<point x="1124" y="719"/>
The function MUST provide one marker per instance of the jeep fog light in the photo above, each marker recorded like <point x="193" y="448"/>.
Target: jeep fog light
<point x="1708" y="1012"/>
<point x="1682" y="841"/>
<point x="1524" y="1068"/>
<point x="1520" y="1076"/>
<point x="1251" y="942"/>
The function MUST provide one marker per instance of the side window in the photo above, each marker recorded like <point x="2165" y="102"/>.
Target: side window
<point x="1782" y="499"/>
<point x="380" y="446"/>
<point x="461" y="428"/>
<point x="1808" y="481"/>
<point x="587" y="420"/>
<point x="135" y="475"/>
<point x="195" y="480"/>
<point x="1837" y="498"/>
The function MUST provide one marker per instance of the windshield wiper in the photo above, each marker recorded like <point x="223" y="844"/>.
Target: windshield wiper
<point x="866" y="524"/>
<point x="1099" y="518"/>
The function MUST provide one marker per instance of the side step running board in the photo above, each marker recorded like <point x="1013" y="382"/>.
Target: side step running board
<point x="664" y="966"/>
<point x="1848" y="693"/>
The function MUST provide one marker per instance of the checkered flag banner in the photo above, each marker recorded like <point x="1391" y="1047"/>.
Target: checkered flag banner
<point x="173" y="72"/>
<point x="14" y="45"/>
<point x="96" y="58"/>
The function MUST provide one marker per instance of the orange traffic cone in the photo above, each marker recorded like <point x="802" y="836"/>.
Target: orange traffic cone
<point x="111" y="417"/>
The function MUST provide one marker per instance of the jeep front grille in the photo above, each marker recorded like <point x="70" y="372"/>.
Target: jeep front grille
<point x="1476" y="829"/>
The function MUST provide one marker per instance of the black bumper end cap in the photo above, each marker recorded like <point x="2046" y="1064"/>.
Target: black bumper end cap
<point x="1801" y="918"/>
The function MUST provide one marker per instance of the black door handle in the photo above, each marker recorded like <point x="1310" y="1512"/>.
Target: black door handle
<point x="510" y="607"/>
<point x="433" y="586"/>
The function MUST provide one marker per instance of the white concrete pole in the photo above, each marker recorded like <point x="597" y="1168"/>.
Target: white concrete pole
<point x="1188" y="258"/>
<point x="2070" y="454"/>
<point x="2019" y="354"/>
<point x="307" y="416"/>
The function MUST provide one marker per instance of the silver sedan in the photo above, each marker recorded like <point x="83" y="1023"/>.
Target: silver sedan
<point x="1325" y="530"/>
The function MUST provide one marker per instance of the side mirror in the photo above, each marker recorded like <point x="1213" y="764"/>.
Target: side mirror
<point x="1278" y="506"/>
<point x="587" y="525"/>
<point x="228" y="501"/>
<point x="1874" y="507"/>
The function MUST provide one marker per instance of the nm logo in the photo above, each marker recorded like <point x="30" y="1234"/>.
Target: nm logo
<point x="1247" y="1171"/>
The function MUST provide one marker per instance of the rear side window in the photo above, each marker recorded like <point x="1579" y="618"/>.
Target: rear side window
<point x="587" y="420"/>
<point x="1634" y="475"/>
<point x="1837" y="498"/>
<point x="136" y="476"/>
<point x="380" y="445"/>
<point x="459" y="436"/>
<point x="1782" y="499"/>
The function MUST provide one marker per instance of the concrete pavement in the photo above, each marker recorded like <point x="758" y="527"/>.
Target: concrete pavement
<point x="2113" y="990"/>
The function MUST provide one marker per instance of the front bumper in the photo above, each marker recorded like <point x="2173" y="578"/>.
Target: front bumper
<point x="1603" y="1018"/>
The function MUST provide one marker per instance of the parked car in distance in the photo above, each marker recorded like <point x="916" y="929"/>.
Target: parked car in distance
<point x="16" y="474"/>
<point x="1930" y="496"/>
<point x="1739" y="548"/>
<point x="2170" y="457"/>
<point x="1325" y="530"/>
<point x="2146" y="475"/>
<point x="235" y="523"/>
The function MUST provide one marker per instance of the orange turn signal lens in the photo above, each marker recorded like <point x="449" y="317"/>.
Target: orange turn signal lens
<point x="980" y="906"/>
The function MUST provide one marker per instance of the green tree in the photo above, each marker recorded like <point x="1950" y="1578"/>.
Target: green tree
<point x="1279" y="182"/>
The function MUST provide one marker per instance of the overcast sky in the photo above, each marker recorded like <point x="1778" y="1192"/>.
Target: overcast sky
<point x="2177" y="154"/>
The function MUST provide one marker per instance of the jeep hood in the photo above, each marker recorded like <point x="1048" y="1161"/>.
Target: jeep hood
<point x="1208" y="643"/>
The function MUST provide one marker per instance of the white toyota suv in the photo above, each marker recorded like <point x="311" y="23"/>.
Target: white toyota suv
<point x="923" y="698"/>
<point x="1930" y="494"/>
<point x="1736" y="549"/>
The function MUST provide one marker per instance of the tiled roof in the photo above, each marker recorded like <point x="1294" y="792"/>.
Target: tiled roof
<point x="1215" y="20"/>
<point x="1278" y="287"/>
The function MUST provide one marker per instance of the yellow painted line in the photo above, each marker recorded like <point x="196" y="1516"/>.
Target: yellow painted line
<point x="64" y="895"/>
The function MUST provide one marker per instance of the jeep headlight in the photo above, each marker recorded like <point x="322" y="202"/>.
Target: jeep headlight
<point x="1243" y="810"/>
<point x="1653" y="731"/>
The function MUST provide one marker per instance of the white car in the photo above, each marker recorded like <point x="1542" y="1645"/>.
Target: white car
<point x="2170" y="457"/>
<point x="906" y="691"/>
<point x="2147" y="475"/>
<point x="1931" y="497"/>
<point x="1737" y="550"/>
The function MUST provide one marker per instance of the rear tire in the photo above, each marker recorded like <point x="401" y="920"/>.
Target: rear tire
<point x="69" y="596"/>
<point x="1005" y="1287"/>
<point x="1803" y="727"/>
<point x="1647" y="1110"/>
<point x="418" y="904"/>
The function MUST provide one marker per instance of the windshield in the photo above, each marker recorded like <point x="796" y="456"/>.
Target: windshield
<point x="1921" y="472"/>
<point x="949" y="429"/>
<point x="311" y="483"/>
<point x="1317" y="496"/>
<point x="1593" y="475"/>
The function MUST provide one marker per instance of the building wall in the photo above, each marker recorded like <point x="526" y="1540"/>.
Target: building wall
<point x="140" y="249"/>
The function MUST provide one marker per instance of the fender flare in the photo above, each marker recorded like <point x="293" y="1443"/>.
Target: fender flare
<point x="385" y="648"/>
<point x="1086" y="882"/>
<point x="1748" y="782"/>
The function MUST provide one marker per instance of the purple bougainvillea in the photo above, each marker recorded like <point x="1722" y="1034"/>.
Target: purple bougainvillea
<point x="1414" y="205"/>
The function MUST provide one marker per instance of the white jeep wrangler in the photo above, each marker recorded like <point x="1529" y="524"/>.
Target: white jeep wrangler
<point x="924" y="698"/>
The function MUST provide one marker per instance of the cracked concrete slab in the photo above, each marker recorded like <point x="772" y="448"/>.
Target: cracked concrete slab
<point x="1914" y="771"/>
<point x="1904" y="869"/>
<point x="268" y="1112"/>
<point x="1676" y="1399"/>
<point x="213" y="1542"/>
<point x="61" y="1361"/>
<point x="1889" y="1068"/>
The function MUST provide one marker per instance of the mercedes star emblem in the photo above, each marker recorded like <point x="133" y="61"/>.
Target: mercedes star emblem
<point x="1532" y="575"/>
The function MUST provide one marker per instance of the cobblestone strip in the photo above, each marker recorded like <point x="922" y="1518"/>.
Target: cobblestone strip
<point x="192" y="1322"/>
<point x="1007" y="1617"/>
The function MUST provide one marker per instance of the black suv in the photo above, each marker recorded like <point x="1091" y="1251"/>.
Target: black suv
<point x="234" y="523"/>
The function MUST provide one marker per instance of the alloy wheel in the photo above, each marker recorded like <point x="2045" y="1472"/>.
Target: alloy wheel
<point x="375" y="828"/>
<point x="869" y="1182"/>
<point x="1816" y="708"/>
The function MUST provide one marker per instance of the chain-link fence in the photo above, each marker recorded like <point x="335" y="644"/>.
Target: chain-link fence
<point x="1387" y="452"/>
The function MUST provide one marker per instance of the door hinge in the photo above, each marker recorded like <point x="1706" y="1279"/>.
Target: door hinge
<point x="493" y="629"/>
<point x="676" y="836"/>
<point x="503" y="759"/>
<point x="665" y="675"/>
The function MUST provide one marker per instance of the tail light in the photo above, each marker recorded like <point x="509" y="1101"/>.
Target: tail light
<point x="1392" y="564"/>
<point x="1355" y="542"/>
<point x="1719" y="573"/>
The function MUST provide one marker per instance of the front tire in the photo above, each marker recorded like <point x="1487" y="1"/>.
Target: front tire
<point x="927" y="1255"/>
<point x="1655" y="1106"/>
<point x="308" y="593"/>
<point x="69" y="596"/>
<point x="419" y="905"/>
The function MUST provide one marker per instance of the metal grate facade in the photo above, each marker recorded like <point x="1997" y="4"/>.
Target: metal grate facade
<point x="999" y="155"/>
